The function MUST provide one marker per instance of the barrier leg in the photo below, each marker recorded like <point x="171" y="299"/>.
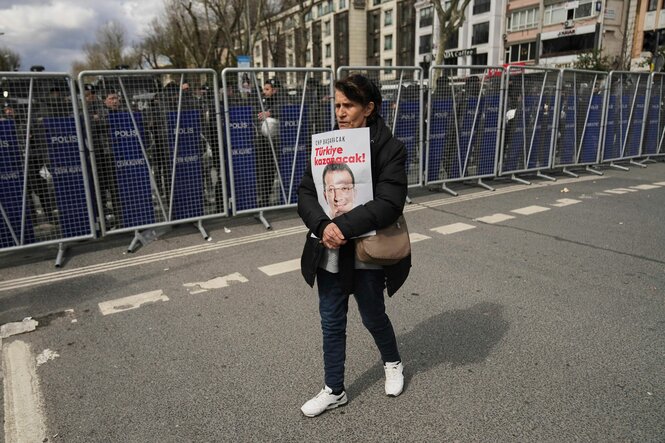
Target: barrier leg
<point x="199" y="226"/>
<point x="594" y="171"/>
<point x="482" y="184"/>
<point x="619" y="167"/>
<point x="146" y="237"/>
<point x="546" y="177"/>
<point x="263" y="220"/>
<point x="570" y="173"/>
<point x="61" y="255"/>
<point x="445" y="188"/>
<point x="515" y="178"/>
<point x="408" y="200"/>
<point x="648" y="160"/>
<point x="640" y="164"/>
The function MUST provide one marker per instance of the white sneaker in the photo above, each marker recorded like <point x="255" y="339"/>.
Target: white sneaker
<point x="323" y="401"/>
<point x="394" y="378"/>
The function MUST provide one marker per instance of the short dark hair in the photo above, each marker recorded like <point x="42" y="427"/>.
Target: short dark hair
<point x="333" y="167"/>
<point x="360" y="89"/>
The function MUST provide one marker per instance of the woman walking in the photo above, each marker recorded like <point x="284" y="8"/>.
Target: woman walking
<point x="328" y="256"/>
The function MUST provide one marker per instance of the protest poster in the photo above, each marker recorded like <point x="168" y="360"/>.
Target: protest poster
<point x="342" y="170"/>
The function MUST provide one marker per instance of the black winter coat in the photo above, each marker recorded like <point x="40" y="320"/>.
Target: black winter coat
<point x="390" y="191"/>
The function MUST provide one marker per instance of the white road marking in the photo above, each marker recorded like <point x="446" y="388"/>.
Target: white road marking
<point x="530" y="210"/>
<point x="131" y="302"/>
<point x="452" y="229"/>
<point x="616" y="191"/>
<point x="414" y="237"/>
<point x="215" y="283"/>
<point x="496" y="218"/>
<point x="626" y="189"/>
<point x="562" y="202"/>
<point x="645" y="187"/>
<point x="24" y="415"/>
<point x="659" y="183"/>
<point x="281" y="268"/>
<point x="100" y="268"/>
<point x="45" y="356"/>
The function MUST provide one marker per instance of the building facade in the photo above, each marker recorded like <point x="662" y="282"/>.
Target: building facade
<point x="478" y="41"/>
<point x="550" y="33"/>
<point x="648" y="36"/>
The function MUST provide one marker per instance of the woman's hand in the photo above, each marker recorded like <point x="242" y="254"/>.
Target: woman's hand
<point x="332" y="237"/>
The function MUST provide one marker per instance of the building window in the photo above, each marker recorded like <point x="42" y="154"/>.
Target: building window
<point x="388" y="62"/>
<point x="521" y="52"/>
<point x="388" y="17"/>
<point x="584" y="9"/>
<point x="453" y="41"/>
<point x="388" y="42"/>
<point x="342" y="4"/>
<point x="425" y="46"/>
<point x="479" y="59"/>
<point x="555" y="14"/>
<point x="524" y="19"/>
<point x="376" y="2"/>
<point x="308" y="56"/>
<point x="480" y="33"/>
<point x="427" y="16"/>
<point x="326" y="28"/>
<point x="328" y="50"/>
<point x="653" y="4"/>
<point x="481" y="6"/>
<point x="568" y="45"/>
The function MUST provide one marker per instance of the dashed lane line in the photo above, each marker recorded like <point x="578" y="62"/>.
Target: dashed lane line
<point x="645" y="187"/>
<point x="495" y="218"/>
<point x="131" y="302"/>
<point x="563" y="202"/>
<point x="415" y="237"/>
<point x="281" y="268"/>
<point x="215" y="283"/>
<point x="529" y="210"/>
<point x="61" y="275"/>
<point x="453" y="228"/>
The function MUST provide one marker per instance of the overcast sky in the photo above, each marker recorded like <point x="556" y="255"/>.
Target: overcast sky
<point x="52" y="32"/>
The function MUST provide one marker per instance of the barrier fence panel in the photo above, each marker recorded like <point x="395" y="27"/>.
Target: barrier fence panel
<point x="654" y="124"/>
<point x="155" y="146"/>
<point x="44" y="188"/>
<point x="403" y="108"/>
<point x="624" y="116"/>
<point x="530" y="120"/>
<point x="581" y="106"/>
<point x="464" y="109"/>
<point x="270" y="115"/>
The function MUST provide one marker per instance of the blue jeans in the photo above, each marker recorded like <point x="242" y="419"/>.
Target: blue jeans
<point x="333" y="307"/>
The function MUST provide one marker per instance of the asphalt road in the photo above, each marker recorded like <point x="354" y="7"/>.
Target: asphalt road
<point x="544" y="323"/>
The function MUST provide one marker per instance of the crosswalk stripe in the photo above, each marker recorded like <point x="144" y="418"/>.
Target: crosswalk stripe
<point x="452" y="229"/>
<point x="659" y="183"/>
<point x="626" y="189"/>
<point x="616" y="191"/>
<point x="495" y="218"/>
<point x="530" y="210"/>
<point x="281" y="268"/>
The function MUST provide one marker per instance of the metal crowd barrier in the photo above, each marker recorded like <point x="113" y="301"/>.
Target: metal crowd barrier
<point x="159" y="152"/>
<point x="463" y="134"/>
<point x="581" y="105"/>
<point x="403" y="94"/>
<point x="155" y="140"/>
<point x="529" y="123"/>
<point x="654" y="123"/>
<point x="268" y="139"/>
<point x="624" y="117"/>
<point x="44" y="197"/>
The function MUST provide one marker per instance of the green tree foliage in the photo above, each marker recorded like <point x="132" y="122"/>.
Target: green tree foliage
<point x="594" y="61"/>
